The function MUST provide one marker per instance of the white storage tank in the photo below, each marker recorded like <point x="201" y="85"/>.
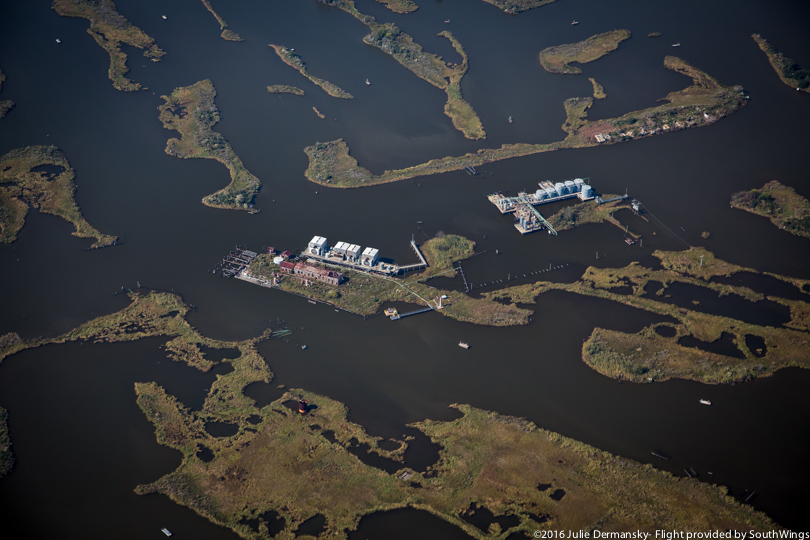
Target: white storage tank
<point x="587" y="191"/>
<point x="551" y="192"/>
<point x="560" y="187"/>
<point x="540" y="194"/>
<point x="578" y="183"/>
<point x="570" y="186"/>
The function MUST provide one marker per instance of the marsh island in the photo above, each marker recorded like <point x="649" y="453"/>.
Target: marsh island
<point x="191" y="111"/>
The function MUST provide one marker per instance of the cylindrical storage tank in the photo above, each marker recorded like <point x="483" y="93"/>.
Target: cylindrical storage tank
<point x="540" y="194"/>
<point x="551" y="193"/>
<point x="579" y="182"/>
<point x="570" y="186"/>
<point x="587" y="191"/>
<point x="560" y="187"/>
<point x="302" y="406"/>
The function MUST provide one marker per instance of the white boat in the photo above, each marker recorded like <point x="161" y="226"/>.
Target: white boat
<point x="705" y="402"/>
<point x="510" y="119"/>
<point x="164" y="18"/>
<point x="368" y="82"/>
<point x="574" y="23"/>
<point x="58" y="40"/>
<point x="166" y="531"/>
<point x="676" y="44"/>
<point x="463" y="344"/>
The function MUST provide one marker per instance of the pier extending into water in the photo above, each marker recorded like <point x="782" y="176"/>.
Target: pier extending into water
<point x="234" y="262"/>
<point x="528" y="218"/>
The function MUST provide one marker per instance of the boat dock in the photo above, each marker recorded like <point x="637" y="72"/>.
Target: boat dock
<point x="394" y="315"/>
<point x="416" y="266"/>
<point x="528" y="218"/>
<point x="234" y="262"/>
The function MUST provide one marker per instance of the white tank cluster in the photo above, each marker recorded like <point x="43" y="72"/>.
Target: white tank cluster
<point x="560" y="189"/>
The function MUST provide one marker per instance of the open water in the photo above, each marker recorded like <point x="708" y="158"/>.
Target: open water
<point x="81" y="443"/>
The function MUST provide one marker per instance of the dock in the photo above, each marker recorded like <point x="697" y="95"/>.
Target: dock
<point x="234" y="262"/>
<point x="414" y="312"/>
<point x="416" y="266"/>
<point x="528" y="218"/>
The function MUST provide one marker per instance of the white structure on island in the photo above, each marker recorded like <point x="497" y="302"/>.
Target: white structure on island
<point x="317" y="246"/>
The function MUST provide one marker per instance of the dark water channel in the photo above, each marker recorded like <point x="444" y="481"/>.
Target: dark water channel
<point x="762" y="313"/>
<point x="81" y="442"/>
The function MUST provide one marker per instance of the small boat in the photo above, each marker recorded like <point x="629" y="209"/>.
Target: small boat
<point x="629" y="241"/>
<point x="463" y="344"/>
<point x="368" y="82"/>
<point x="304" y="347"/>
<point x="510" y="119"/>
<point x="705" y="402"/>
<point x="447" y="21"/>
<point x="58" y="40"/>
<point x="676" y="44"/>
<point x="164" y="18"/>
<point x="166" y="531"/>
<point x="574" y="23"/>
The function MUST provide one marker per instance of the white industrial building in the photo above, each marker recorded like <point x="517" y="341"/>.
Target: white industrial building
<point x="370" y="256"/>
<point x="317" y="246"/>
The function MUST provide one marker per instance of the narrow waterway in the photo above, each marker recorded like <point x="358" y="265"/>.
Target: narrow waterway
<point x="81" y="443"/>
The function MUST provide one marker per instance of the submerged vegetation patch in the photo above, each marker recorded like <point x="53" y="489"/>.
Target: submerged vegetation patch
<point x="26" y="183"/>
<point x="191" y="111"/>
<point x="780" y="203"/>
<point x="110" y="30"/>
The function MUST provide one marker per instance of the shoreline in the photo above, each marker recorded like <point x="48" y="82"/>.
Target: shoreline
<point x="197" y="140"/>
<point x="701" y="104"/>
<point x="780" y="203"/>
<point x="110" y="29"/>
<point x="227" y="34"/>
<point x="363" y="294"/>
<point x="655" y="354"/>
<point x="22" y="189"/>
<point x="784" y="67"/>
<point x="427" y="66"/>
<point x="289" y="57"/>
<point x="556" y="59"/>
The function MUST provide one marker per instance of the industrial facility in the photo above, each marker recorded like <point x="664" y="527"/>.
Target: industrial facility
<point x="528" y="218"/>
<point x="350" y="256"/>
